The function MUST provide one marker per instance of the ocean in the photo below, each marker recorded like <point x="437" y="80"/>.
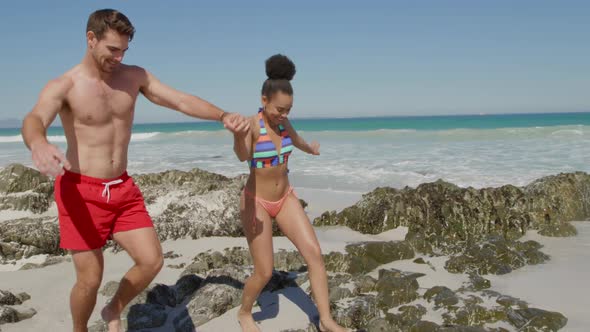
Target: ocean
<point x="360" y="154"/>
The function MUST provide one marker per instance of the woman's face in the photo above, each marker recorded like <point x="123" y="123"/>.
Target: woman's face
<point x="278" y="107"/>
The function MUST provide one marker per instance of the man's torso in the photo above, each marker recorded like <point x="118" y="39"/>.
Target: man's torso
<point x="97" y="118"/>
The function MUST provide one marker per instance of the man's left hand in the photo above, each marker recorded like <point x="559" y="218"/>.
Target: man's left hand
<point x="236" y="123"/>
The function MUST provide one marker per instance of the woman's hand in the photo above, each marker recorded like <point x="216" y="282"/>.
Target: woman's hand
<point x="314" y="148"/>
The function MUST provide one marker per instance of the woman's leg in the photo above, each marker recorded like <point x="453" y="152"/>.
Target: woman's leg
<point x="294" y="223"/>
<point x="257" y="226"/>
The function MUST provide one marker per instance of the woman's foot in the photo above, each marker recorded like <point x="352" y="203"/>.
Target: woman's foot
<point x="330" y="325"/>
<point x="247" y="322"/>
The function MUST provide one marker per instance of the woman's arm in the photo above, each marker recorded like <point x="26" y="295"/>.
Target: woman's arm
<point x="299" y="142"/>
<point x="243" y="142"/>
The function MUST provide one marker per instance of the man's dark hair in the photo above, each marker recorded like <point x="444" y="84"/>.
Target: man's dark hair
<point x="102" y="20"/>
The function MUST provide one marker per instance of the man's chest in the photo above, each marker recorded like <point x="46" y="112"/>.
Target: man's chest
<point x="97" y="103"/>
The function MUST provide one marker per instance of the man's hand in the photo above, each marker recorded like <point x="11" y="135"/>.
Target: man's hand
<point x="315" y="148"/>
<point x="47" y="158"/>
<point x="236" y="123"/>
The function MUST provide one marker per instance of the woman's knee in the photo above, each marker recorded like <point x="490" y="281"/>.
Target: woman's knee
<point x="263" y="274"/>
<point x="312" y="253"/>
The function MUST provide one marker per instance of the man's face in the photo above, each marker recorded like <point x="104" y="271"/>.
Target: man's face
<point x="108" y="51"/>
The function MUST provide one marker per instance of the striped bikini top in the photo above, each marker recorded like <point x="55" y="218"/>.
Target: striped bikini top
<point x="265" y="153"/>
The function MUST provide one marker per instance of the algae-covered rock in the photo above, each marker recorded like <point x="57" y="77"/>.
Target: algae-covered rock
<point x="468" y="214"/>
<point x="496" y="255"/>
<point x="395" y="287"/>
<point x="365" y="257"/>
<point x="558" y="230"/>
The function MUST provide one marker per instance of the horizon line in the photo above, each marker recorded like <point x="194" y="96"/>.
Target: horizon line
<point x="192" y="120"/>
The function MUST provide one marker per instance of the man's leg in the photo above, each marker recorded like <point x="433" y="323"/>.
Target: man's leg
<point x="89" y="265"/>
<point x="143" y="246"/>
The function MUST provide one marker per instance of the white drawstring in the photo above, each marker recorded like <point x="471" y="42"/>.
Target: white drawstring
<point x="107" y="192"/>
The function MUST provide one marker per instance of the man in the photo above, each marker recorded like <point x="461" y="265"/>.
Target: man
<point x="96" y="198"/>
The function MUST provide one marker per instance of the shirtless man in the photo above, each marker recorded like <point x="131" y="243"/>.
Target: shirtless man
<point x="96" y="199"/>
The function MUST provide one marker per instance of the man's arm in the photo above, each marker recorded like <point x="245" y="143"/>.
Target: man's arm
<point x="164" y="95"/>
<point x="46" y="156"/>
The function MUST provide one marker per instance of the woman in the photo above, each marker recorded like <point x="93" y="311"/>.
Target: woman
<point x="268" y="195"/>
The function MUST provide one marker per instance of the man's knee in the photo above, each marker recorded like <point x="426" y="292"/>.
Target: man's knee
<point x="152" y="262"/>
<point x="89" y="284"/>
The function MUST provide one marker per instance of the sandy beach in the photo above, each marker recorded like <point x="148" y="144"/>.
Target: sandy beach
<point x="563" y="276"/>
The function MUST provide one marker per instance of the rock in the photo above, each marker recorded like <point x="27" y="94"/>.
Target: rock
<point x="364" y="284"/>
<point x="408" y="316"/>
<point x="338" y="293"/>
<point x="463" y="329"/>
<point x="395" y="287"/>
<point x="8" y="315"/>
<point x="7" y="298"/>
<point x="23" y="188"/>
<point x="509" y="301"/>
<point x="301" y="278"/>
<point x="195" y="203"/>
<point x="17" y="178"/>
<point x="344" y="286"/>
<point x="419" y="260"/>
<point x="364" y="257"/>
<point x="467" y="214"/>
<point x="425" y="326"/>
<point x="12" y="315"/>
<point x="26" y="313"/>
<point x="170" y="255"/>
<point x="476" y="227"/>
<point x="203" y="262"/>
<point x="496" y="256"/>
<point x="473" y="315"/>
<point x="533" y="319"/>
<point x="478" y="282"/>
<point x="357" y="301"/>
<point x="219" y="292"/>
<point x="23" y="297"/>
<point x="558" y="230"/>
<point x="182" y="204"/>
<point x="289" y="261"/>
<point x="51" y="260"/>
<point x="380" y="325"/>
<point x="355" y="312"/>
<point x="442" y="296"/>
<point x="303" y="203"/>
<point x="471" y="299"/>
<point x="310" y="328"/>
<point x="177" y="266"/>
<point x="562" y="197"/>
<point x="26" y="237"/>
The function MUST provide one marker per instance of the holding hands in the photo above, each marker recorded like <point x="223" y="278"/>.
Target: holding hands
<point x="236" y="123"/>
<point x="314" y="148"/>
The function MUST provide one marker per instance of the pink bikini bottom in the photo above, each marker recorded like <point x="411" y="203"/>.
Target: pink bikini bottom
<point x="273" y="208"/>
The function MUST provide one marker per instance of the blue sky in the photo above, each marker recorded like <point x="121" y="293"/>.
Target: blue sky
<point x="354" y="58"/>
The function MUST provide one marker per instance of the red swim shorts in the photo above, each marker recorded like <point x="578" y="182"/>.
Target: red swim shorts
<point x="91" y="210"/>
